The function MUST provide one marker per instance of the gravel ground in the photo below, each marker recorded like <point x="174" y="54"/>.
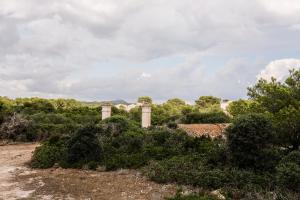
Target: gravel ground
<point x="17" y="181"/>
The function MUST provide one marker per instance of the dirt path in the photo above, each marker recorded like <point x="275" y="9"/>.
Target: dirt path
<point x="20" y="182"/>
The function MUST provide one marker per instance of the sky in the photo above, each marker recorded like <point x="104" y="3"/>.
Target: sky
<point x="122" y="49"/>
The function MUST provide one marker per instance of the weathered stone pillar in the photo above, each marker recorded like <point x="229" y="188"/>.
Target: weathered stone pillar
<point x="106" y="110"/>
<point x="146" y="115"/>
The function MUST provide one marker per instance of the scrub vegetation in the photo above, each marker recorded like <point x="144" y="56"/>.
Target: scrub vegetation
<point x="259" y="159"/>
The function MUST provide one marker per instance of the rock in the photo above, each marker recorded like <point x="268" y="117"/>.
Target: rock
<point x="56" y="165"/>
<point x="123" y="172"/>
<point x="101" y="169"/>
<point x="187" y="190"/>
<point x="138" y="174"/>
<point x="155" y="196"/>
<point x="218" y="195"/>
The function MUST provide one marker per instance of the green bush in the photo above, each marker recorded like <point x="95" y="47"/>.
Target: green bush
<point x="205" y="118"/>
<point x="288" y="171"/>
<point x="51" y="152"/>
<point x="240" y="179"/>
<point x="288" y="175"/>
<point x="293" y="157"/>
<point x="83" y="147"/>
<point x="192" y="197"/>
<point x="187" y="170"/>
<point x="92" y="165"/>
<point x="118" y="125"/>
<point x="80" y="149"/>
<point x="250" y="140"/>
<point x="125" y="160"/>
<point x="172" y="125"/>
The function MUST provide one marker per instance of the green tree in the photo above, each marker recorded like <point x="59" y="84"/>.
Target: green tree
<point x="145" y="99"/>
<point x="176" y="102"/>
<point x="241" y="107"/>
<point x="208" y="103"/>
<point x="249" y="141"/>
<point x="282" y="101"/>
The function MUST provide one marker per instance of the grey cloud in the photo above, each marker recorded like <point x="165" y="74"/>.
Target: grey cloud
<point x="44" y="46"/>
<point x="187" y="82"/>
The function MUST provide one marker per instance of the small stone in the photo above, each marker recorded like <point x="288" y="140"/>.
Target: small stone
<point x="101" y="169"/>
<point x="56" y="165"/>
<point x="122" y="172"/>
<point x="218" y="195"/>
<point x="156" y="196"/>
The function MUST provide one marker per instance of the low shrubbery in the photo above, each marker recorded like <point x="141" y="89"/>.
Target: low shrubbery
<point x="36" y="119"/>
<point x="205" y="118"/>
<point x="288" y="171"/>
<point x="169" y="155"/>
<point x="250" y="140"/>
<point x="50" y="152"/>
<point x="83" y="147"/>
<point x="241" y="166"/>
<point x="15" y="128"/>
<point x="260" y="158"/>
<point x="192" y="197"/>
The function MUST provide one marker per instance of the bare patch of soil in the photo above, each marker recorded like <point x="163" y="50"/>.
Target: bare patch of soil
<point x="13" y="159"/>
<point x="20" y="182"/>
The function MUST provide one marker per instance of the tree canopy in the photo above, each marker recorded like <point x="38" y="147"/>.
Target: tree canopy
<point x="145" y="99"/>
<point x="281" y="100"/>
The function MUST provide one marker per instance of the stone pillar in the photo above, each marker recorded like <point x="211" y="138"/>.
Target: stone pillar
<point x="106" y="110"/>
<point x="146" y="115"/>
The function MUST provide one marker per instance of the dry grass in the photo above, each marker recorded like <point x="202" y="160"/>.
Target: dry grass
<point x="21" y="182"/>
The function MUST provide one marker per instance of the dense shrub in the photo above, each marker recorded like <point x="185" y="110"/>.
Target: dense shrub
<point x="45" y="117"/>
<point x="288" y="171"/>
<point x="118" y="125"/>
<point x="249" y="179"/>
<point x="192" y="197"/>
<point x="32" y="106"/>
<point x="83" y="147"/>
<point x="205" y="117"/>
<point x="43" y="125"/>
<point x="249" y="141"/>
<point x="293" y="157"/>
<point x="187" y="170"/>
<point x="288" y="175"/>
<point x="15" y="128"/>
<point x="51" y="152"/>
<point x="133" y="151"/>
<point x="169" y="155"/>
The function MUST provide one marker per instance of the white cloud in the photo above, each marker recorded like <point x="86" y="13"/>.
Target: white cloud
<point x="55" y="47"/>
<point x="279" y="69"/>
<point x="283" y="7"/>
<point x="145" y="75"/>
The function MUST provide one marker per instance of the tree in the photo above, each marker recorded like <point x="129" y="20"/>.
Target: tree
<point x="282" y="102"/>
<point x="174" y="106"/>
<point x="145" y="99"/>
<point x="208" y="102"/>
<point x="287" y="122"/>
<point x="176" y="102"/>
<point x="249" y="140"/>
<point x="34" y="105"/>
<point x="241" y="107"/>
<point x="205" y="118"/>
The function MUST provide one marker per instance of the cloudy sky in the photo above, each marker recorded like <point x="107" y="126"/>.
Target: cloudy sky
<point x="122" y="49"/>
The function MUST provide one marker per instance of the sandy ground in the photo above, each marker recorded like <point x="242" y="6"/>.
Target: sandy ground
<point x="17" y="181"/>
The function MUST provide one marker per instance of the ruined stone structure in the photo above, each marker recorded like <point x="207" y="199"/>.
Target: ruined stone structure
<point x="106" y="110"/>
<point x="146" y="115"/>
